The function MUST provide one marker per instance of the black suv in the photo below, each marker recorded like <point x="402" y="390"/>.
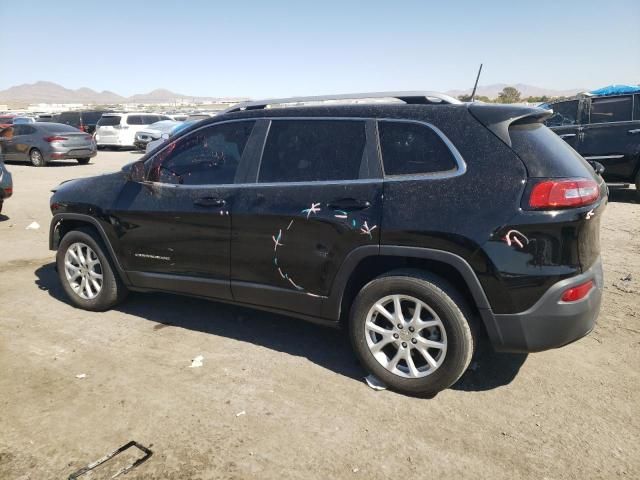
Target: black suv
<point x="420" y="224"/>
<point x="605" y="129"/>
<point x="85" y="120"/>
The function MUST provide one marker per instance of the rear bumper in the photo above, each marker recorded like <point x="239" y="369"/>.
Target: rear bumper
<point x="72" y="153"/>
<point x="551" y="323"/>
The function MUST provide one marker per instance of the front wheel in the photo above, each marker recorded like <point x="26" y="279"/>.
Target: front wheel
<point x="86" y="273"/>
<point x="83" y="161"/>
<point x="36" y="158"/>
<point x="412" y="330"/>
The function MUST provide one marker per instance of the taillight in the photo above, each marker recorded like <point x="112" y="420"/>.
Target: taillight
<point x="55" y="138"/>
<point x="563" y="193"/>
<point x="574" y="294"/>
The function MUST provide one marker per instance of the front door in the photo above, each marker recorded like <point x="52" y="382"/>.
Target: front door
<point x="7" y="149"/>
<point x="612" y="137"/>
<point x="318" y="196"/>
<point x="564" y="121"/>
<point x="175" y="227"/>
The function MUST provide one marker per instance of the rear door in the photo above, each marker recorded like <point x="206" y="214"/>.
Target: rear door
<point x="612" y="137"/>
<point x="175" y="228"/>
<point x="318" y="197"/>
<point x="564" y="121"/>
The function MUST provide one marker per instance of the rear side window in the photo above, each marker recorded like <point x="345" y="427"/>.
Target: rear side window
<point x="109" y="121"/>
<point x="412" y="148"/>
<point x="58" y="127"/>
<point x="313" y="150"/>
<point x="209" y="156"/>
<point x="564" y="113"/>
<point x="149" y="119"/>
<point x="614" y="109"/>
<point x="134" y="120"/>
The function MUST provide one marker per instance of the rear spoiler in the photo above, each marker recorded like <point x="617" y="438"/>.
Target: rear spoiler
<point x="498" y="118"/>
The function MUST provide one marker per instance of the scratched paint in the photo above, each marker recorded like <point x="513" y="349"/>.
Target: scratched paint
<point x="314" y="209"/>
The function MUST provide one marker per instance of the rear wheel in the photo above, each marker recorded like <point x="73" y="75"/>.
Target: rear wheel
<point x="86" y="272"/>
<point x="83" y="161"/>
<point x="36" y="158"/>
<point x="412" y="330"/>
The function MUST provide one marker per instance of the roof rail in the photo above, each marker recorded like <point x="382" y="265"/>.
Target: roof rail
<point x="417" y="97"/>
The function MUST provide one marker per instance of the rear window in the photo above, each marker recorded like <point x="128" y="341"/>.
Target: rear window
<point x="614" y="109"/>
<point x="70" y="118"/>
<point x="91" y="118"/>
<point x="413" y="148"/>
<point x="109" y="121"/>
<point x="58" y="127"/>
<point x="545" y="154"/>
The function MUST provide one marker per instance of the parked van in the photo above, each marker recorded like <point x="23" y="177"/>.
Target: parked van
<point x="119" y="129"/>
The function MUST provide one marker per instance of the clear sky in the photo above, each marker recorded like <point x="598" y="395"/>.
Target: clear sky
<point x="280" y="48"/>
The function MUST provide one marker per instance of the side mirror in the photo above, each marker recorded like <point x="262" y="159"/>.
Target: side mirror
<point x="136" y="172"/>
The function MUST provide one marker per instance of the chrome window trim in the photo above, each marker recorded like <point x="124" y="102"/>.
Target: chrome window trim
<point x="603" y="157"/>
<point x="460" y="170"/>
<point x="457" y="156"/>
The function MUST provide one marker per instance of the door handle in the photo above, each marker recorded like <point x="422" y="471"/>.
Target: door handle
<point x="634" y="131"/>
<point x="349" y="204"/>
<point x="568" y="135"/>
<point x="209" y="202"/>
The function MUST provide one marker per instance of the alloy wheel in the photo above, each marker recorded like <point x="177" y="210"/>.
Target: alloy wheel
<point x="406" y="336"/>
<point x="83" y="270"/>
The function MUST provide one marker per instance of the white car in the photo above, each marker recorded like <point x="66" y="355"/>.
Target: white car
<point x="119" y="129"/>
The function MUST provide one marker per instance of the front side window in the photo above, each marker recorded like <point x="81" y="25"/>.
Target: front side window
<point x="209" y="156"/>
<point x="564" y="113"/>
<point x="614" y="109"/>
<point x="313" y="150"/>
<point x="412" y="148"/>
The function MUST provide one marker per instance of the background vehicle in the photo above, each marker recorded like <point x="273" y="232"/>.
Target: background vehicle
<point x="84" y="120"/>
<point x="40" y="143"/>
<point x="603" y="126"/>
<point x="416" y="275"/>
<point x="46" y="117"/>
<point x="6" y="184"/>
<point x="119" y="129"/>
<point x="166" y="136"/>
<point x="19" y="120"/>
<point x="199" y="116"/>
<point x="11" y="119"/>
<point x="153" y="132"/>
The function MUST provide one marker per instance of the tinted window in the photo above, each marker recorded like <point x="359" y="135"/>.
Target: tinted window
<point x="28" y="130"/>
<point x="636" y="103"/>
<point x="134" y="120"/>
<point x="313" y="150"/>
<point x="412" y="148"/>
<point x="207" y="157"/>
<point x="69" y="118"/>
<point x="614" y="109"/>
<point x="19" y="129"/>
<point x="91" y="118"/>
<point x="564" y="113"/>
<point x="109" y="121"/>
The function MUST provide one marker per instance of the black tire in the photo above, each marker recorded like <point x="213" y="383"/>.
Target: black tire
<point x="113" y="291"/>
<point x="638" y="185"/>
<point x="1" y="203"/>
<point x="36" y="158"/>
<point x="445" y="301"/>
<point x="83" y="161"/>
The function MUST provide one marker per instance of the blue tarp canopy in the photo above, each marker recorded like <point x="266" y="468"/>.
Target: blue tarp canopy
<point x="616" y="90"/>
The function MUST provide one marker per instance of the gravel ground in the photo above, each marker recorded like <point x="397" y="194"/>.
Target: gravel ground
<point x="279" y="398"/>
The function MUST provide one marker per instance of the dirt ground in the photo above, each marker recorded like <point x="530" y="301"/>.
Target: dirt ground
<point x="279" y="398"/>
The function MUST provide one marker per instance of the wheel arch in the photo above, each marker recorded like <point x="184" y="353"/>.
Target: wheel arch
<point x="365" y="263"/>
<point x="63" y="223"/>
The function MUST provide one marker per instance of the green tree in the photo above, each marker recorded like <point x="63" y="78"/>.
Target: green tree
<point x="509" y="95"/>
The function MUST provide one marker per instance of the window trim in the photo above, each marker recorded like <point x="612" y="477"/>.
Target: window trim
<point x="461" y="165"/>
<point x="460" y="170"/>
<point x="591" y="99"/>
<point x="186" y="132"/>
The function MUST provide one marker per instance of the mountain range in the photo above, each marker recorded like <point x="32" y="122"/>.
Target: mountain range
<point x="49" y="92"/>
